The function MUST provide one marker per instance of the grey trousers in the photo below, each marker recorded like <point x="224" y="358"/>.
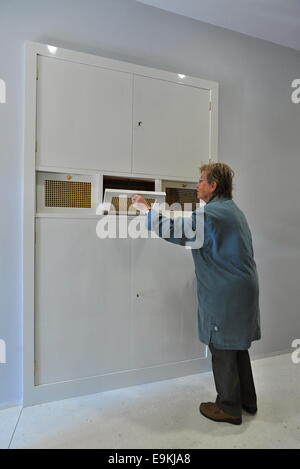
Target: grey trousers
<point x="233" y="379"/>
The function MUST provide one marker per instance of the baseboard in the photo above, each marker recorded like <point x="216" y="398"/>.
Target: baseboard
<point x="61" y="391"/>
<point x="93" y="385"/>
<point x="271" y="354"/>
<point x="9" y="405"/>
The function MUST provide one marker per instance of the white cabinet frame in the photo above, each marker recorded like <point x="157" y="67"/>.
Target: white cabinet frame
<point x="33" y="394"/>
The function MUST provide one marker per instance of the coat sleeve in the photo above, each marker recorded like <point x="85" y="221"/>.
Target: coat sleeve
<point x="187" y="231"/>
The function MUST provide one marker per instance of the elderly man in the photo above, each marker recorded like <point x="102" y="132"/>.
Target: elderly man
<point x="227" y="288"/>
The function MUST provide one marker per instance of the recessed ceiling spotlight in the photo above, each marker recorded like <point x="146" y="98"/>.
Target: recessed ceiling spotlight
<point x="52" y="49"/>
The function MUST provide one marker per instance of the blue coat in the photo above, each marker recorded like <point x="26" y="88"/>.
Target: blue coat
<point x="227" y="281"/>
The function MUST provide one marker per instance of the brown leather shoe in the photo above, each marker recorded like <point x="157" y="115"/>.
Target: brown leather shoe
<point x="211" y="411"/>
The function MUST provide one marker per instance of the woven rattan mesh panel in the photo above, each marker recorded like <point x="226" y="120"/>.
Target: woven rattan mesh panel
<point x="68" y="194"/>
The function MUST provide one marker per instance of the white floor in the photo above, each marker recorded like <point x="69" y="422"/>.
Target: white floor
<point x="163" y="415"/>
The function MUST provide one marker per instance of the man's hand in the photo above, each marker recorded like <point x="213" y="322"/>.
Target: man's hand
<point x="139" y="203"/>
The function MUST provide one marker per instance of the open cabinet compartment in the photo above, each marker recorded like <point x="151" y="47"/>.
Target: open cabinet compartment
<point x="117" y="193"/>
<point x="180" y="196"/>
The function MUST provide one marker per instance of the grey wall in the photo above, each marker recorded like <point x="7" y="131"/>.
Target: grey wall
<point x="259" y="137"/>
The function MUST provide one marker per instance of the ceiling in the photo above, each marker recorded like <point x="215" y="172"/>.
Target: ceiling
<point x="277" y="21"/>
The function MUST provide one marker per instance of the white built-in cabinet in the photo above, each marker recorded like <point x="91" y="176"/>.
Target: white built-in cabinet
<point x="107" y="306"/>
<point x="101" y="119"/>
<point x="106" y="313"/>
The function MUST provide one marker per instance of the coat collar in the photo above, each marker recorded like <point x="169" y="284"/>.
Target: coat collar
<point x="216" y="198"/>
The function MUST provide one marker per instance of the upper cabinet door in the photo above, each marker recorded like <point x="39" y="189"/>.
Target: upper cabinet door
<point x="84" y="116"/>
<point x="171" y="128"/>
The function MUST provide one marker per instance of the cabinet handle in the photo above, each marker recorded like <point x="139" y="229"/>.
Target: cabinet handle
<point x="137" y="295"/>
<point x="140" y="123"/>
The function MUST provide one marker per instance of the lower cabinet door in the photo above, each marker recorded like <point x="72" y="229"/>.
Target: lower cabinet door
<point x="82" y="301"/>
<point x="164" y="318"/>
